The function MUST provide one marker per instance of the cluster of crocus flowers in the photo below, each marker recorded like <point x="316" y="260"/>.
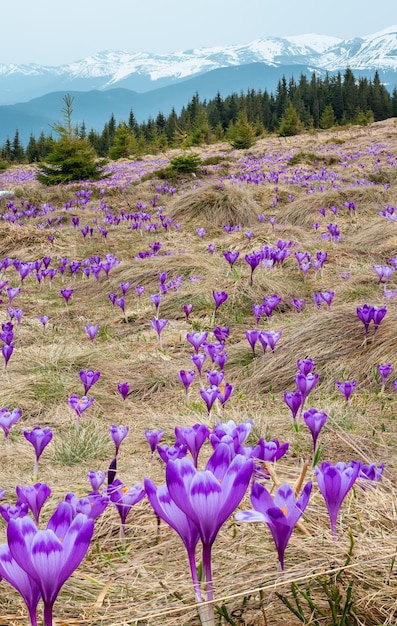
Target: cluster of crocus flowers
<point x="305" y="380"/>
<point x="265" y="338"/>
<point x="367" y="314"/>
<point x="7" y="337"/>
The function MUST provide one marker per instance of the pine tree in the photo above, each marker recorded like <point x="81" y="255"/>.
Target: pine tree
<point x="327" y="119"/>
<point x="71" y="158"/>
<point x="290" y="123"/>
<point x="121" y="147"/>
<point x="241" y="133"/>
<point x="17" y="151"/>
<point x="32" y="152"/>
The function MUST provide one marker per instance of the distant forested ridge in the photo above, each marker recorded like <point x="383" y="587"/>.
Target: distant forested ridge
<point x="296" y="106"/>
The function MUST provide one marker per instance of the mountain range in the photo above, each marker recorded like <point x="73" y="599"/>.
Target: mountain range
<point x="118" y="81"/>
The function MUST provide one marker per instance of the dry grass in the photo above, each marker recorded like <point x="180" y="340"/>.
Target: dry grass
<point x="148" y="583"/>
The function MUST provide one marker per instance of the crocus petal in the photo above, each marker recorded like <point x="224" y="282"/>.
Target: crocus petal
<point x="19" y="579"/>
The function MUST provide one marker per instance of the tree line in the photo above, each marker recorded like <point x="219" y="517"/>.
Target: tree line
<point x="305" y="104"/>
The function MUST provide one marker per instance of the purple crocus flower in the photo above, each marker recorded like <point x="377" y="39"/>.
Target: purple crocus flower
<point x="8" y="419"/>
<point x="220" y="359"/>
<point x="252" y="337"/>
<point x="231" y="256"/>
<point x="96" y="479"/>
<point x="124" y="499"/>
<point x="15" y="313"/>
<point x="156" y="299"/>
<point x="209" y="497"/>
<point x="12" y="293"/>
<point x="214" y="377"/>
<point x="225" y="391"/>
<point x="91" y="330"/>
<point x="305" y="366"/>
<point x="44" y="319"/>
<point x="327" y="296"/>
<point x="298" y="304"/>
<point x="219" y="298"/>
<point x="48" y="557"/>
<point x="39" y="438"/>
<point x="384" y="371"/>
<point x="269" y="338"/>
<point x="315" y="420"/>
<point x="335" y="481"/>
<point x="21" y="581"/>
<point x="193" y="437"/>
<point x="153" y="438"/>
<point x="211" y="248"/>
<point x="293" y="400"/>
<point x="346" y="388"/>
<point x="198" y="360"/>
<point x="165" y="508"/>
<point x="209" y="395"/>
<point x="139" y="291"/>
<point x="34" y="496"/>
<point x="123" y="389"/>
<point x="280" y="514"/>
<point x="171" y="453"/>
<point x="66" y="294"/>
<point x="371" y="472"/>
<point x="88" y="378"/>
<point x="365" y="314"/>
<point x="7" y="350"/>
<point x="13" y="511"/>
<point x="79" y="405"/>
<point x="158" y="326"/>
<point x="118" y="434"/>
<point x="124" y="287"/>
<point x="186" y="377"/>
<point x="120" y="303"/>
<point x="269" y="450"/>
<point x="305" y="384"/>
<point x="238" y="432"/>
<point x="197" y="339"/>
<point x="253" y="261"/>
<point x="187" y="308"/>
<point x="92" y="505"/>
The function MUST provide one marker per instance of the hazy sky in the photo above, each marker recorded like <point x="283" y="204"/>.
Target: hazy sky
<point x="52" y="32"/>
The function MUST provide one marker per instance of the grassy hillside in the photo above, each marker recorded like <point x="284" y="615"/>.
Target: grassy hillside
<point x="315" y="186"/>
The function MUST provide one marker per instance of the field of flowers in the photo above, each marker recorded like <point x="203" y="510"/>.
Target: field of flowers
<point x="199" y="389"/>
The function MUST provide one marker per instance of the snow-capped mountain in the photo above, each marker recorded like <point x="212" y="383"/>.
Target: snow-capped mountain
<point x="142" y="71"/>
<point x="116" y="82"/>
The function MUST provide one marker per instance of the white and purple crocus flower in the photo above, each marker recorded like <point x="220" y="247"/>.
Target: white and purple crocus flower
<point x="38" y="562"/>
<point x="335" y="481"/>
<point x="280" y="513"/>
<point x="197" y="503"/>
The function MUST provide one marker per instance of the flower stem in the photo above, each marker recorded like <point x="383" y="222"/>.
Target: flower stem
<point x="47" y="615"/>
<point x="209" y="617"/>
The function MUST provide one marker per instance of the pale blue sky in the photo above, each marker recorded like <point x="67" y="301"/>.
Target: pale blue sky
<point x="52" y="32"/>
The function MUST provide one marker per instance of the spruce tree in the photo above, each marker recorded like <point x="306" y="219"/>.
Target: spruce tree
<point x="71" y="158"/>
